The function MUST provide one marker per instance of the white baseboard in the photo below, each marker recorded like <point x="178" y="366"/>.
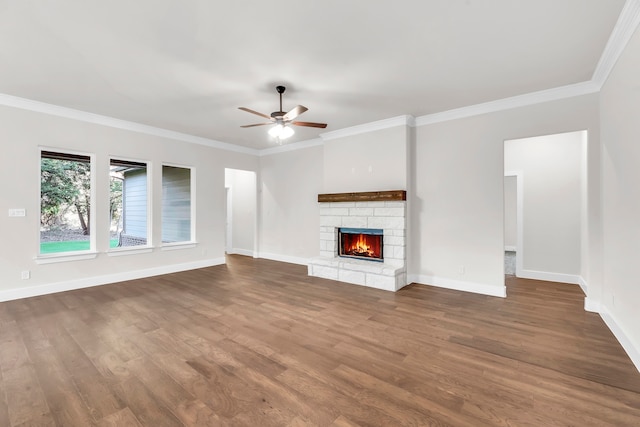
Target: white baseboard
<point x="591" y="305"/>
<point x="51" y="288"/>
<point x="583" y="285"/>
<point x="632" y="349"/>
<point x="284" y="258"/>
<point x="239" y="251"/>
<point x="550" y="277"/>
<point x="459" y="285"/>
<point x="510" y="249"/>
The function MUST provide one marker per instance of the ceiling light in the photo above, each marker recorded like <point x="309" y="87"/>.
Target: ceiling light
<point x="276" y="130"/>
<point x="281" y="132"/>
<point x="286" y="132"/>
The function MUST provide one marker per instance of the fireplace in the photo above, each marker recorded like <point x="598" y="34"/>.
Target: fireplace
<point x="354" y="227"/>
<point x="361" y="243"/>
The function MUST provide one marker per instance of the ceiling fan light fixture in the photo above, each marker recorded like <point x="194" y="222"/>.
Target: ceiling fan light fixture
<point x="281" y="131"/>
<point x="287" y="131"/>
<point x="276" y="130"/>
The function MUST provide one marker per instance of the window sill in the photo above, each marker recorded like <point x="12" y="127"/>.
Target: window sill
<point x="65" y="257"/>
<point x="129" y="250"/>
<point x="179" y="245"/>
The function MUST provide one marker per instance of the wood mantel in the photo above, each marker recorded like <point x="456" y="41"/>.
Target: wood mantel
<point x="368" y="196"/>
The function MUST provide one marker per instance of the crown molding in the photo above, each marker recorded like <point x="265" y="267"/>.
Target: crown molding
<point x="627" y="24"/>
<point x="83" y="116"/>
<point x="291" y="147"/>
<point x="532" y="98"/>
<point x="369" y="127"/>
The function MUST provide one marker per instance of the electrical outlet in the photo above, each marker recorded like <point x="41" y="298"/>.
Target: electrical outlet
<point x="17" y="212"/>
<point x="26" y="274"/>
<point x="461" y="269"/>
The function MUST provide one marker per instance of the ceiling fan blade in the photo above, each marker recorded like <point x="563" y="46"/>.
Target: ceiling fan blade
<point x="256" y="124"/>
<point x="310" y="124"/>
<point x="248" y="110"/>
<point x="295" y="112"/>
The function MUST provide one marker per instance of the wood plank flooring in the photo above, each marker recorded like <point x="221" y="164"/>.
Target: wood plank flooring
<point x="259" y="343"/>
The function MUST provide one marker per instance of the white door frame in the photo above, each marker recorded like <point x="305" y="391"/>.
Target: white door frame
<point x="519" y="219"/>
<point x="229" y="222"/>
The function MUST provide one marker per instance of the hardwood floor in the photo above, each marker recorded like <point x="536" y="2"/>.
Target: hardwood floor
<point x="259" y="343"/>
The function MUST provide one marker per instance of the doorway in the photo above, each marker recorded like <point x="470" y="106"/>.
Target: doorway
<point x="544" y="194"/>
<point x="241" y="212"/>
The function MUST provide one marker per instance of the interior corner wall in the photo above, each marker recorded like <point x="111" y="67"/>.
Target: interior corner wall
<point x="551" y="169"/>
<point x="620" y="103"/>
<point x="411" y="238"/>
<point x="372" y="161"/>
<point x="244" y="210"/>
<point x="290" y="216"/>
<point x="23" y="133"/>
<point x="457" y="210"/>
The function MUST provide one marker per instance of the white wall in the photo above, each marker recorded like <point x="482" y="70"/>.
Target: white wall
<point x="550" y="167"/>
<point x="372" y="161"/>
<point x="244" y="210"/>
<point x="510" y="212"/>
<point x="290" y="214"/>
<point x="620" y="103"/>
<point x="21" y="134"/>
<point x="458" y="177"/>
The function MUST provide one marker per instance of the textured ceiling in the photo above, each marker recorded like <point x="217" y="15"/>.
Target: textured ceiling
<point x="187" y="65"/>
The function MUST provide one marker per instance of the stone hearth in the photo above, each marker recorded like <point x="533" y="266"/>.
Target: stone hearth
<point x="384" y="210"/>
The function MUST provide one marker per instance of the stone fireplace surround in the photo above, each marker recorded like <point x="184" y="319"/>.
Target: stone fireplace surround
<point x="377" y="209"/>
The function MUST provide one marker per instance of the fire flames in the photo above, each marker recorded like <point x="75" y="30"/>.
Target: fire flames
<point x="361" y="245"/>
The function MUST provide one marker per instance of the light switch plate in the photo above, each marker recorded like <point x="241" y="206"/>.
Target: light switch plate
<point x="17" y="212"/>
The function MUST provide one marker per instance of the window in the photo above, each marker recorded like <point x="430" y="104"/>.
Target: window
<point x="128" y="204"/>
<point x="177" y="221"/>
<point x="65" y="202"/>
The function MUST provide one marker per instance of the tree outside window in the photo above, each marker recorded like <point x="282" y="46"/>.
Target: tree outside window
<point x="65" y="202"/>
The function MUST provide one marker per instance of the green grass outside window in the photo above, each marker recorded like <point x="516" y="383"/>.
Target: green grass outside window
<point x="70" y="246"/>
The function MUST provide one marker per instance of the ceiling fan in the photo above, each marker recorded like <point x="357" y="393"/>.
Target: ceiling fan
<point x="281" y="130"/>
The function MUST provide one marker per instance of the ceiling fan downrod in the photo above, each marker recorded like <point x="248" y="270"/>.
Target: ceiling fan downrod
<point x="281" y="90"/>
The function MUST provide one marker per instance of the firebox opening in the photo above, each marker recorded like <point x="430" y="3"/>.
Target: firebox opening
<point x="361" y="243"/>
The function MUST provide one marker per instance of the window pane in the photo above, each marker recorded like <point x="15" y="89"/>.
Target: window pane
<point x="176" y="204"/>
<point x="127" y="203"/>
<point x="65" y="202"/>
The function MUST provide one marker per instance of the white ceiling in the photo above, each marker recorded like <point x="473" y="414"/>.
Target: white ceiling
<point x="187" y="65"/>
